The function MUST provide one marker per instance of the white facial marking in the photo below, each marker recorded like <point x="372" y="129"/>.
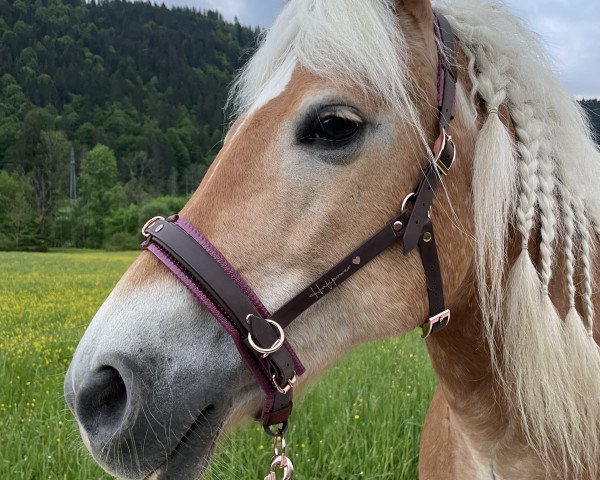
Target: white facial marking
<point x="275" y="87"/>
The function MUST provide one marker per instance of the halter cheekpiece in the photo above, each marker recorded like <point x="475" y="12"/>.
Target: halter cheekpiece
<point x="260" y="336"/>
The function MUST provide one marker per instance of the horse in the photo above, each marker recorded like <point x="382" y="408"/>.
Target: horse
<point x="335" y="116"/>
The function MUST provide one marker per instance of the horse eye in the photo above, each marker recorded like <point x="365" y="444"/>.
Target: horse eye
<point x="332" y="130"/>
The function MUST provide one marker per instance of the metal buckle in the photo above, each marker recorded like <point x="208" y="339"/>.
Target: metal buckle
<point x="439" y="318"/>
<point x="273" y="348"/>
<point x="438" y="149"/>
<point x="149" y="224"/>
<point x="409" y="197"/>
<point x="291" y="384"/>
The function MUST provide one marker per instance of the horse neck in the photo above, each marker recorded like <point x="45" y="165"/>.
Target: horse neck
<point x="474" y="408"/>
<point x="462" y="361"/>
<point x="461" y="358"/>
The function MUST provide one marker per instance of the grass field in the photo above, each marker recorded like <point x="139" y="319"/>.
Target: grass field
<point x="362" y="421"/>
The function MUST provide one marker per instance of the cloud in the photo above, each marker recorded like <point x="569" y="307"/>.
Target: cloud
<point x="229" y="8"/>
<point x="570" y="32"/>
<point x="249" y="12"/>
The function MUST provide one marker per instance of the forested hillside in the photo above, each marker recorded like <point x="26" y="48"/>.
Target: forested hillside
<point x="592" y="107"/>
<point x="145" y="81"/>
<point x="110" y="112"/>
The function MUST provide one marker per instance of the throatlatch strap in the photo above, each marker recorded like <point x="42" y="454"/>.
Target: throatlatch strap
<point x="439" y="316"/>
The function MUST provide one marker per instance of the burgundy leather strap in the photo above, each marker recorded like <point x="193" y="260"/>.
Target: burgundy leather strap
<point x="444" y="148"/>
<point x="439" y="316"/>
<point x="280" y="366"/>
<point x="220" y="287"/>
<point x="337" y="275"/>
<point x="449" y="80"/>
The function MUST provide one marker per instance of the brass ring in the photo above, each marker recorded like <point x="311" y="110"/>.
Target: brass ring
<point x="273" y="348"/>
<point x="405" y="202"/>
<point x="148" y="224"/>
<point x="409" y="197"/>
<point x="285" y="464"/>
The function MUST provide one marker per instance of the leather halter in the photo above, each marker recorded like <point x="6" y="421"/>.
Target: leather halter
<point x="258" y="335"/>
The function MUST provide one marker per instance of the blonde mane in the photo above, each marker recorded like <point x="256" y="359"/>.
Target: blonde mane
<point x="543" y="179"/>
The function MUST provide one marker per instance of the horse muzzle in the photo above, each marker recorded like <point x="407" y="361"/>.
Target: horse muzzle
<point x="151" y="402"/>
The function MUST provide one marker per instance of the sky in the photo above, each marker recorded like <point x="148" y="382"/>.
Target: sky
<point x="569" y="28"/>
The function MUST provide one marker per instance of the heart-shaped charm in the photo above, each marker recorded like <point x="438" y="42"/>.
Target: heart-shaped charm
<point x="356" y="261"/>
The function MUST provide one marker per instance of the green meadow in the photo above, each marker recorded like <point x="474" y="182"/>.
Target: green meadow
<point x="363" y="420"/>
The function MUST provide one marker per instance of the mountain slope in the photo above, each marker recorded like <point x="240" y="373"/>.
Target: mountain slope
<point x="146" y="80"/>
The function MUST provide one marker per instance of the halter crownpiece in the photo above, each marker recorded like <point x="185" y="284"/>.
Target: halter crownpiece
<point x="260" y="336"/>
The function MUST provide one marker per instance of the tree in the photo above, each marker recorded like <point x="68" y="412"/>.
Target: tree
<point x="50" y="174"/>
<point x="28" y="151"/>
<point x="18" y="227"/>
<point x="98" y="192"/>
<point x="13" y="104"/>
<point x="148" y="82"/>
<point x="592" y="107"/>
<point x="104" y="70"/>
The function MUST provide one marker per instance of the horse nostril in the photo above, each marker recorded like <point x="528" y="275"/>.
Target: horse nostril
<point x="101" y="403"/>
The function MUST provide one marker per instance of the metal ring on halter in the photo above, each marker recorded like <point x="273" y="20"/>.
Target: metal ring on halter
<point x="409" y="197"/>
<point x="280" y="431"/>
<point x="280" y="459"/>
<point x="148" y="224"/>
<point x="438" y="149"/>
<point x="273" y="348"/>
<point x="283" y="463"/>
<point x="406" y="199"/>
